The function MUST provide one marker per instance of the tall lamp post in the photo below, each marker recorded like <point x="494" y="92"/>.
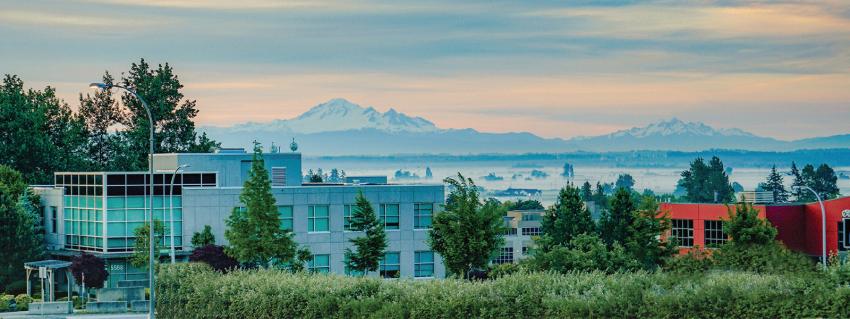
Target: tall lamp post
<point x="152" y="230"/>
<point x="822" y="218"/>
<point x="171" y="208"/>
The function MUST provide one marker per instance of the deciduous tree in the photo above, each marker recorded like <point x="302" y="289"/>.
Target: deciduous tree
<point x="467" y="233"/>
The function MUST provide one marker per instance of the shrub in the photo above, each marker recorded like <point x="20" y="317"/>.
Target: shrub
<point x="196" y="291"/>
<point x="93" y="267"/>
<point x="23" y="301"/>
<point x="4" y="302"/>
<point x="768" y="258"/>
<point x="215" y="256"/>
<point x="695" y="261"/>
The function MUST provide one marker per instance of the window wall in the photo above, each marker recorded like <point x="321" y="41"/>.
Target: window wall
<point x="83" y="210"/>
<point x="422" y="215"/>
<point x="389" y="215"/>
<point x="390" y="265"/>
<point x="423" y="264"/>
<point x="318" y="219"/>
<point x="682" y="231"/>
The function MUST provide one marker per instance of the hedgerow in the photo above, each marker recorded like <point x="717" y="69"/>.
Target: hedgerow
<point x="196" y="291"/>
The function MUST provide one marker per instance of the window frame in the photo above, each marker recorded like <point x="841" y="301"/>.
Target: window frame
<point x="312" y="218"/>
<point x="714" y="237"/>
<point x="677" y="227"/>
<point x="382" y="265"/>
<point x="418" y="264"/>
<point x="418" y="216"/>
<point x="383" y="216"/>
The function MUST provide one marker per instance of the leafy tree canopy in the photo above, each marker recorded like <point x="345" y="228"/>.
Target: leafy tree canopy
<point x="90" y="267"/>
<point x="203" y="238"/>
<point x="369" y="248"/>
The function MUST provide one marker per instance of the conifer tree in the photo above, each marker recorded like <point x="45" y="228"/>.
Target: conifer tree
<point x="254" y="231"/>
<point x="369" y="248"/>
<point x="586" y="192"/>
<point x="569" y="217"/>
<point x="203" y="238"/>
<point x="614" y="223"/>
<point x="776" y="185"/>
<point x="644" y="242"/>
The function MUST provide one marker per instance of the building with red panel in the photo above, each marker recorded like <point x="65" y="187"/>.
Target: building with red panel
<point x="799" y="225"/>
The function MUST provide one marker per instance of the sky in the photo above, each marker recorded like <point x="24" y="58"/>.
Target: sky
<point x="553" y="68"/>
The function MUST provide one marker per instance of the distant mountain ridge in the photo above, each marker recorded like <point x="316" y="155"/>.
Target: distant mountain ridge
<point x="339" y="127"/>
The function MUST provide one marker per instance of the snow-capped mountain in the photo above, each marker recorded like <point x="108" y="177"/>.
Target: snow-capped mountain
<point x="339" y="127"/>
<point x="675" y="126"/>
<point x="342" y="115"/>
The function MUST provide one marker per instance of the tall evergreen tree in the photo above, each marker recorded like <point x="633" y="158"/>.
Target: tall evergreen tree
<point x="614" y="223"/>
<point x="744" y="226"/>
<point x="369" y="248"/>
<point x="776" y="185"/>
<point x="625" y="181"/>
<point x="100" y="112"/>
<point x="798" y="181"/>
<point x="254" y="231"/>
<point x="599" y="197"/>
<point x="586" y="192"/>
<point x="707" y="183"/>
<point x="21" y="233"/>
<point x="467" y="233"/>
<point x="569" y="217"/>
<point x="644" y="241"/>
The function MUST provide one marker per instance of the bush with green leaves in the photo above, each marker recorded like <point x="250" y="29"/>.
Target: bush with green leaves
<point x="23" y="302"/>
<point x="196" y="291"/>
<point x="4" y="302"/>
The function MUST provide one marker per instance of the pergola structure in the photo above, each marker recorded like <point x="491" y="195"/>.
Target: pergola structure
<point x="46" y="271"/>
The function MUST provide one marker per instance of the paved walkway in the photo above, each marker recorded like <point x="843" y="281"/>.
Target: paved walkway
<point x="26" y="315"/>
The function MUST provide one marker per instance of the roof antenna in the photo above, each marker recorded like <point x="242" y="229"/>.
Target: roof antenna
<point x="293" y="146"/>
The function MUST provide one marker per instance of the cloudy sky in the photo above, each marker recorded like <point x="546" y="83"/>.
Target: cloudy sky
<point x="776" y="68"/>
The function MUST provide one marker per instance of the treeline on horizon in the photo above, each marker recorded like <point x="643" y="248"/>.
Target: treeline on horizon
<point x="41" y="134"/>
<point x="644" y="158"/>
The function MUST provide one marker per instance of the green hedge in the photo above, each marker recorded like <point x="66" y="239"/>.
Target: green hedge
<point x="195" y="291"/>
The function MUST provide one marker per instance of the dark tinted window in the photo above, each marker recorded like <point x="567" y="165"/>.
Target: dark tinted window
<point x="192" y="179"/>
<point x="209" y="179"/>
<point x="135" y="190"/>
<point x="115" y="179"/>
<point x="115" y="190"/>
<point x="135" y="179"/>
<point x="75" y="179"/>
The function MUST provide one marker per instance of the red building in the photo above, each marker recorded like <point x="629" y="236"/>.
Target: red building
<point x="799" y="225"/>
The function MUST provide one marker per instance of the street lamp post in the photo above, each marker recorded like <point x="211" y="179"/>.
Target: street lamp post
<point x="822" y="218"/>
<point x="171" y="208"/>
<point x="152" y="230"/>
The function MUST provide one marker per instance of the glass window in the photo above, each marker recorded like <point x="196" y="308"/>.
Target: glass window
<point x="714" y="235"/>
<point x="346" y="217"/>
<point x="422" y="215"/>
<point x="390" y="265"/>
<point x="843" y="236"/>
<point x="423" y="264"/>
<point x="389" y="215"/>
<point x="683" y="232"/>
<point x="530" y="217"/>
<point x="509" y="231"/>
<point x="317" y="218"/>
<point x="506" y="256"/>
<point x="286" y="220"/>
<point x="531" y="231"/>
<point x="54" y="219"/>
<point x="320" y="264"/>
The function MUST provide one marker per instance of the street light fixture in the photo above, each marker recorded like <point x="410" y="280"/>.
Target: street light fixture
<point x="822" y="218"/>
<point x="151" y="244"/>
<point x="171" y="208"/>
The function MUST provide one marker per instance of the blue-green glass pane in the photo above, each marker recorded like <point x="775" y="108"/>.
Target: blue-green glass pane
<point x="115" y="202"/>
<point x="135" y="214"/>
<point x="321" y="224"/>
<point x="135" y="202"/>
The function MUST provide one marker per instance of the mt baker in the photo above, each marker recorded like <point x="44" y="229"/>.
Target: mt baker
<point x="339" y="127"/>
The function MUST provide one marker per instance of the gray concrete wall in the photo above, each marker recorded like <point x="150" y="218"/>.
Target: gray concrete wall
<point x="121" y="294"/>
<point x="106" y="306"/>
<point x="51" y="308"/>
<point x="52" y="197"/>
<point x="139" y="305"/>
<point x="213" y="207"/>
<point x="231" y="168"/>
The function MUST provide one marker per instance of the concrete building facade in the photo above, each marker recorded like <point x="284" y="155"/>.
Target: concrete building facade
<point x="98" y="212"/>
